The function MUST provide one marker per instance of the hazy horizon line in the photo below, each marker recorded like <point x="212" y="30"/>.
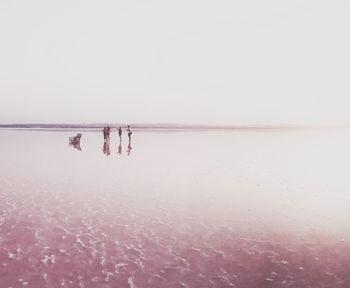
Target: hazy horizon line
<point x="167" y="126"/>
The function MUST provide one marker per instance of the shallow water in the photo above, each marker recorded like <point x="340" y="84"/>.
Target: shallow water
<point x="179" y="209"/>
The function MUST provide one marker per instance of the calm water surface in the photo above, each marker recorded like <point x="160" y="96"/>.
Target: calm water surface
<point x="175" y="209"/>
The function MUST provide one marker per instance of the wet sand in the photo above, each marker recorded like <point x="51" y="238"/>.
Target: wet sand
<point x="184" y="209"/>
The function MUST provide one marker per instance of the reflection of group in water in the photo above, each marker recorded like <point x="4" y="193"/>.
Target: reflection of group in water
<point x="106" y="143"/>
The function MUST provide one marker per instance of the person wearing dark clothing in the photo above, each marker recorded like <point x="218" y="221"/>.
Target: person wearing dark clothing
<point x="108" y="131"/>
<point x="105" y="134"/>
<point x="120" y="132"/>
<point x="129" y="133"/>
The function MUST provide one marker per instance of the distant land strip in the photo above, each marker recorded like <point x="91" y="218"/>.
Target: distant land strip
<point x="159" y="126"/>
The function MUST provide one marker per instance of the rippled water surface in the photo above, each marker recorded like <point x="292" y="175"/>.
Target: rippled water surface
<point x="248" y="209"/>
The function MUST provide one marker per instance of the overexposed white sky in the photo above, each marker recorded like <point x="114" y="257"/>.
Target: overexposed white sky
<point x="183" y="61"/>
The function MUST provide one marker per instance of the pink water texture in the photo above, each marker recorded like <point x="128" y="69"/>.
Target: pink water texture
<point x="170" y="214"/>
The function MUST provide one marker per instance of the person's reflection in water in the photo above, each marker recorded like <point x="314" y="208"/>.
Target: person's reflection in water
<point x="129" y="149"/>
<point x="129" y="146"/>
<point x="75" y="145"/>
<point x="106" y="148"/>
<point x="120" y="148"/>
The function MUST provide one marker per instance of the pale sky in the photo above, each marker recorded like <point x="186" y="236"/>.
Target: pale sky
<point x="183" y="61"/>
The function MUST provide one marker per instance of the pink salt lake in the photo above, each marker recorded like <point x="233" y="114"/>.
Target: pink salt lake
<point x="250" y="209"/>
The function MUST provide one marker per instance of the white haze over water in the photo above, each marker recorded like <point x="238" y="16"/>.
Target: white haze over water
<point x="215" y="62"/>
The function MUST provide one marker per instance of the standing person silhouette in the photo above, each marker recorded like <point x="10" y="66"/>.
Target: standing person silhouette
<point x="105" y="134"/>
<point x="108" y="129"/>
<point x="120" y="132"/>
<point x="129" y="133"/>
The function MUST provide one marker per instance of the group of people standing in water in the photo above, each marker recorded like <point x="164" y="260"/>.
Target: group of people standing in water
<point x="107" y="132"/>
<point x="74" y="141"/>
<point x="106" y="137"/>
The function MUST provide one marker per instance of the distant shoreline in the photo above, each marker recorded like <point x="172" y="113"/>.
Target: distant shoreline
<point x="141" y="126"/>
<point x="96" y="126"/>
<point x="93" y="127"/>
